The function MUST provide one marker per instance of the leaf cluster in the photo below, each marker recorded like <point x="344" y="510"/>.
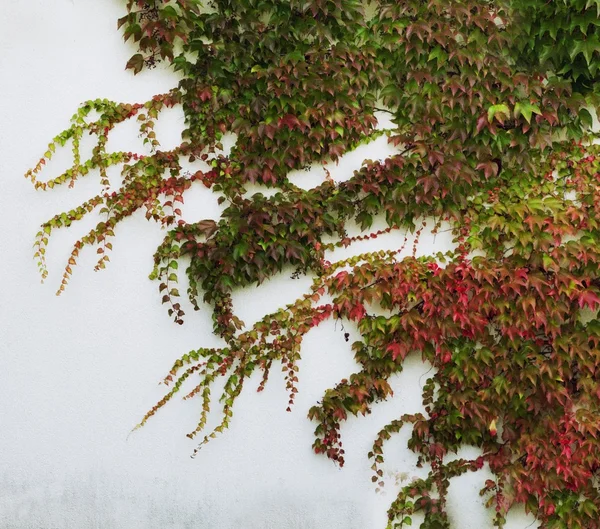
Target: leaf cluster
<point x="492" y="105"/>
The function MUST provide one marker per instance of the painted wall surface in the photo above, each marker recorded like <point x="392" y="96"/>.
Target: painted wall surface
<point x="78" y="372"/>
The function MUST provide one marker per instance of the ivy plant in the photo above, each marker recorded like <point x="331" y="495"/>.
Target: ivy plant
<point x="492" y="104"/>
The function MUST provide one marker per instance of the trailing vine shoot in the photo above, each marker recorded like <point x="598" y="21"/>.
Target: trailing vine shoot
<point x="492" y="104"/>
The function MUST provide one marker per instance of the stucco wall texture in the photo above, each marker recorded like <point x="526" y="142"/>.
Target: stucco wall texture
<point x="77" y="372"/>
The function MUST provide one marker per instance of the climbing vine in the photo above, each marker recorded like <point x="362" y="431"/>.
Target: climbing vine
<point x="492" y="105"/>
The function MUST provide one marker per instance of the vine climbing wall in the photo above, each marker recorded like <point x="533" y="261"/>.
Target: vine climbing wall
<point x="463" y="247"/>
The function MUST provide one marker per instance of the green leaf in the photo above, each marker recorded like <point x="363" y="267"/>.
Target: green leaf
<point x="591" y="3"/>
<point x="496" y="110"/>
<point x="240" y="249"/>
<point x="526" y="110"/>
<point x="587" y="48"/>
<point x="586" y="118"/>
<point x="548" y="262"/>
<point x="439" y="54"/>
<point x="169" y="12"/>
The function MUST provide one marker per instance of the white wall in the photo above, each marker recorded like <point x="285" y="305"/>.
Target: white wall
<point x="77" y="372"/>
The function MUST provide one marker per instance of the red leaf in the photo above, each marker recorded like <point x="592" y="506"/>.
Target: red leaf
<point x="397" y="350"/>
<point x="589" y="298"/>
<point x="208" y="227"/>
<point x="340" y="279"/>
<point x="481" y="123"/>
<point x="290" y="121"/>
<point x="358" y="312"/>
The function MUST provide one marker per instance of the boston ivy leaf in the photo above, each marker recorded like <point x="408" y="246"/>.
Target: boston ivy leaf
<point x="136" y="63"/>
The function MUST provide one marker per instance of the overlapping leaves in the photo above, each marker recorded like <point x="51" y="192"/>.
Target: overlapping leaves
<point x="492" y="104"/>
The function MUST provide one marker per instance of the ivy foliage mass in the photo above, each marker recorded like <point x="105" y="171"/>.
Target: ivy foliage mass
<point x="492" y="104"/>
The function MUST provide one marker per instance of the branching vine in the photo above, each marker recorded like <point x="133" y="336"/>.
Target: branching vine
<point x="492" y="104"/>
